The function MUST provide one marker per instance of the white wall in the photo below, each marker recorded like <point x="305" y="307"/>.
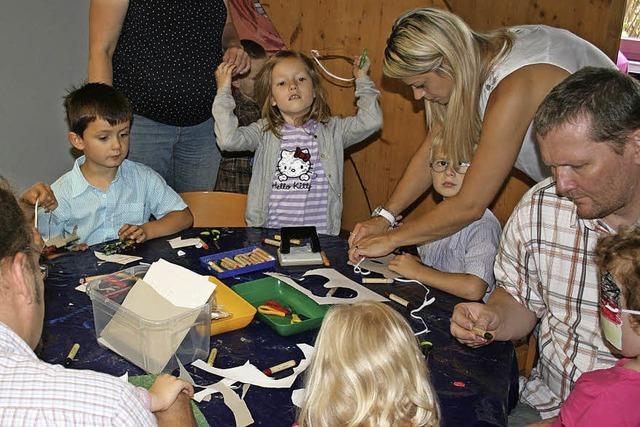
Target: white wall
<point x="43" y="52"/>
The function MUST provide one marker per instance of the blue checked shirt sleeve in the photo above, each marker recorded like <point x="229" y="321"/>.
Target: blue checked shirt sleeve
<point x="160" y="198"/>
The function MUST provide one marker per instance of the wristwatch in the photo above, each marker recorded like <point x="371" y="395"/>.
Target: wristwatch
<point x="381" y="211"/>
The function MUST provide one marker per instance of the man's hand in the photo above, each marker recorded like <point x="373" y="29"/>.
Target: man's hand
<point x="471" y="318"/>
<point x="223" y="74"/>
<point x="42" y="193"/>
<point x="132" y="232"/>
<point x="236" y="56"/>
<point x="165" y="391"/>
<point x="406" y="265"/>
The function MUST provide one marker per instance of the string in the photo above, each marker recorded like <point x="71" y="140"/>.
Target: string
<point x="315" y="55"/>
<point x="359" y="270"/>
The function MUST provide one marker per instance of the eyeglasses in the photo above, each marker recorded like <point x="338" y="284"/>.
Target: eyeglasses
<point x="441" y="165"/>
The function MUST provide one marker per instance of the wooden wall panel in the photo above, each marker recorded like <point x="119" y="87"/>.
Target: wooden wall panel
<point x="346" y="27"/>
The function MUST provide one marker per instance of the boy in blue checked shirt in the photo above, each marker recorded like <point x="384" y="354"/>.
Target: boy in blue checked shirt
<point x="460" y="264"/>
<point x="104" y="194"/>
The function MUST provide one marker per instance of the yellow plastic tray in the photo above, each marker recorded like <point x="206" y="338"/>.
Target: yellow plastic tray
<point x="241" y="311"/>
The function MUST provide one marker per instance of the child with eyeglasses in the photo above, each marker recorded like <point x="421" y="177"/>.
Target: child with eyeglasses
<point x="608" y="397"/>
<point x="460" y="264"/>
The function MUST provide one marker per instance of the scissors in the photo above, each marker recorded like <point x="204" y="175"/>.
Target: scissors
<point x="271" y="311"/>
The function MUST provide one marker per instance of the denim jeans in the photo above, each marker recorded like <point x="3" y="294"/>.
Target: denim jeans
<point x="186" y="157"/>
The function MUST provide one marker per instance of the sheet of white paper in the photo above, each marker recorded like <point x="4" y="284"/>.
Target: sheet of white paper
<point x="82" y="288"/>
<point x="336" y="280"/>
<point x="180" y="286"/>
<point x="245" y="389"/>
<point x="249" y="374"/>
<point x="379" y="265"/>
<point x="179" y="242"/>
<point x="117" y="258"/>
<point x="184" y="374"/>
<point x="210" y="389"/>
<point x="238" y="406"/>
<point x="297" y="397"/>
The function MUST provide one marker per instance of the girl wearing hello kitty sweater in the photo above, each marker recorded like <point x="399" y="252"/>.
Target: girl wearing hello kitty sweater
<point x="299" y="147"/>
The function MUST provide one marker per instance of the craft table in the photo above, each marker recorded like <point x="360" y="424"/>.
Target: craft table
<point x="475" y="386"/>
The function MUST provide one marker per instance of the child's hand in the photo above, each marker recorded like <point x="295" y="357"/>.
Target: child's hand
<point x="407" y="265"/>
<point x="224" y="72"/>
<point x="132" y="232"/>
<point x="165" y="391"/>
<point x="360" y="72"/>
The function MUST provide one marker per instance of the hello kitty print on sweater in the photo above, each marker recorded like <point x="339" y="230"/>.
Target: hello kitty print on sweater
<point x="299" y="187"/>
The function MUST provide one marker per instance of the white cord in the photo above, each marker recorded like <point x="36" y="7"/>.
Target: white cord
<point x="413" y="313"/>
<point x="359" y="270"/>
<point x="315" y="55"/>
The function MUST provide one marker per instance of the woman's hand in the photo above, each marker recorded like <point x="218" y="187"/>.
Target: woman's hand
<point x="371" y="247"/>
<point x="224" y="74"/>
<point x="369" y="227"/>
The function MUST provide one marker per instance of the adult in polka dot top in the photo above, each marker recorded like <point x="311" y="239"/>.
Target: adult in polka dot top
<point x="162" y="54"/>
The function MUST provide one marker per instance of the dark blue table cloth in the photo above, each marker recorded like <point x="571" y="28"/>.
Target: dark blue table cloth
<point x="476" y="387"/>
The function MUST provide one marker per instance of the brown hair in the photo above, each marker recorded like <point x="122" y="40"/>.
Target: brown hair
<point x="619" y="255"/>
<point x="92" y="100"/>
<point x="319" y="109"/>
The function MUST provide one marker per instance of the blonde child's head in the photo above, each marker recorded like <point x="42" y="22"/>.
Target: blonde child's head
<point x="367" y="370"/>
<point x="619" y="255"/>
<point x="276" y="111"/>
<point x="447" y="175"/>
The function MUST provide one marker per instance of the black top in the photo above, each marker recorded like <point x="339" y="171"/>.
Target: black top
<point x="166" y="57"/>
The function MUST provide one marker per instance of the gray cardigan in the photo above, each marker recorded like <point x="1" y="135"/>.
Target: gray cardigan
<point x="333" y="137"/>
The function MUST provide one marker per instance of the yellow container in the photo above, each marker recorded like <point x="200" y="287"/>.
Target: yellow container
<point x="241" y="311"/>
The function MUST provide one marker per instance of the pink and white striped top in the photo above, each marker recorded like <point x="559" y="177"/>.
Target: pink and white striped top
<point x="35" y="393"/>
<point x="299" y="188"/>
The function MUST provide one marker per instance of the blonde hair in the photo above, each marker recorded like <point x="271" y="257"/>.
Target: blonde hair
<point x="367" y="370"/>
<point x="319" y="111"/>
<point x="424" y="40"/>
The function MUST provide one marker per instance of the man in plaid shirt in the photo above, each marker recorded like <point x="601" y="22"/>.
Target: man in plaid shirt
<point x="588" y="130"/>
<point x="34" y="393"/>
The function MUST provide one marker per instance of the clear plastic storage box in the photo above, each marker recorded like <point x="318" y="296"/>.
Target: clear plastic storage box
<point x="146" y="341"/>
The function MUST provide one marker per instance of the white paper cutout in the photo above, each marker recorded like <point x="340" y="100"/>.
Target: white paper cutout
<point x="205" y="394"/>
<point x="245" y="389"/>
<point x="116" y="258"/>
<point x="179" y="242"/>
<point x="336" y="280"/>
<point x="249" y="374"/>
<point x="379" y="265"/>
<point x="238" y="406"/>
<point x="298" y="396"/>
<point x="180" y="286"/>
<point x="184" y="374"/>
